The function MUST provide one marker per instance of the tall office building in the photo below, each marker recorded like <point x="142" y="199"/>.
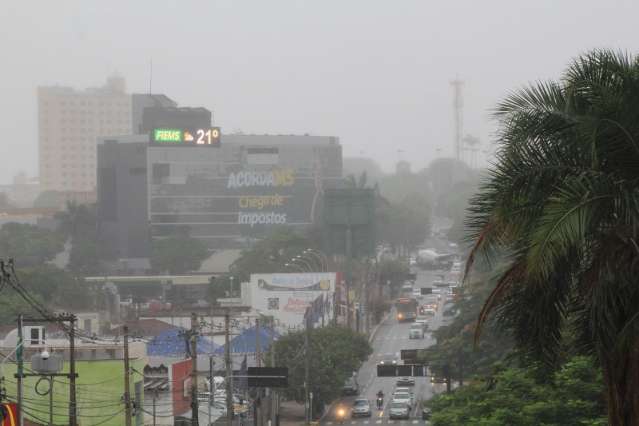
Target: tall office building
<point x="69" y="123"/>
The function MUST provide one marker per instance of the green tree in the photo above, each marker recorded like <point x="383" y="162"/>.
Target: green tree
<point x="455" y="348"/>
<point x="335" y="353"/>
<point x="59" y="288"/>
<point x="404" y="225"/>
<point x="562" y="201"/>
<point x="29" y="244"/>
<point x="178" y="255"/>
<point x="12" y="304"/>
<point x="513" y="396"/>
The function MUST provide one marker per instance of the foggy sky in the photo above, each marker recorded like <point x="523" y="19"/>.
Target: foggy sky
<point x="375" y="73"/>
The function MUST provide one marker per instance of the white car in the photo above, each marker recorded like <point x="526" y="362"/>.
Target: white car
<point x="405" y="389"/>
<point x="416" y="331"/>
<point x="403" y="397"/>
<point x="417" y="293"/>
<point x="398" y="410"/>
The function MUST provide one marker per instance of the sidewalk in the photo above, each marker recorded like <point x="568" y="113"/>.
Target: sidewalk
<point x="291" y="413"/>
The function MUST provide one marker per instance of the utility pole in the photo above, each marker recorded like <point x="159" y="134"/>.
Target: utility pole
<point x="73" y="420"/>
<point x="461" y="368"/>
<point x="127" y="384"/>
<point x="193" y="342"/>
<point x="211" y="387"/>
<point x="349" y="274"/>
<point x="274" y="417"/>
<point x="155" y="397"/>
<point x="229" y="369"/>
<point x="19" y="376"/>
<point x="458" y="110"/>
<point x="258" y="349"/>
<point x="257" y="412"/>
<point x="307" y="365"/>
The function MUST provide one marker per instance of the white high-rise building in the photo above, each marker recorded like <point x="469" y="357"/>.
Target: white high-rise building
<point x="69" y="123"/>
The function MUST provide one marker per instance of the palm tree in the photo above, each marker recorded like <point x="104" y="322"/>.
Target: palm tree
<point x="562" y="204"/>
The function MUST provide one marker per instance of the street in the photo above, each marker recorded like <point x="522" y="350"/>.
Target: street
<point x="391" y="337"/>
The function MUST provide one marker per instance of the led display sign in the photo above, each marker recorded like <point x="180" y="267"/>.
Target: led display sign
<point x="186" y="137"/>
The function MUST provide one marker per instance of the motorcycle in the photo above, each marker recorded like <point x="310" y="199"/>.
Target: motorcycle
<point x="380" y="402"/>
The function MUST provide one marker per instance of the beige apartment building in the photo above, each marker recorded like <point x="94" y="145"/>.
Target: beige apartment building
<point x="70" y="122"/>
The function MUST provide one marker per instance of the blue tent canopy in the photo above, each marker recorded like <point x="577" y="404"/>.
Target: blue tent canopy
<point x="173" y="343"/>
<point x="245" y="342"/>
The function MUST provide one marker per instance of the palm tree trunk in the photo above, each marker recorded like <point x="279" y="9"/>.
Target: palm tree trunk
<point x="621" y="374"/>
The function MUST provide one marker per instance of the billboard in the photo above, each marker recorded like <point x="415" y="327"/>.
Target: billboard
<point x="286" y="296"/>
<point x="186" y="137"/>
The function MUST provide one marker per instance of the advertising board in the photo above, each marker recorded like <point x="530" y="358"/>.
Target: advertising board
<point x="286" y="296"/>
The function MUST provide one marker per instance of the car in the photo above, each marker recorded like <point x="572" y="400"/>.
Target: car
<point x="406" y="381"/>
<point x="398" y="410"/>
<point x="388" y="361"/>
<point x="409" y="391"/>
<point x="407" y="288"/>
<point x="426" y="413"/>
<point x="423" y="321"/>
<point x="351" y="387"/>
<point x="404" y="397"/>
<point x="417" y="293"/>
<point x="412" y="261"/>
<point x="429" y="311"/>
<point x="437" y="379"/>
<point x="361" y="408"/>
<point x="416" y="331"/>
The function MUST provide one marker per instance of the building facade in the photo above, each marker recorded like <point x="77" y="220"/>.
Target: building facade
<point x="230" y="194"/>
<point x="69" y="123"/>
<point x="121" y="196"/>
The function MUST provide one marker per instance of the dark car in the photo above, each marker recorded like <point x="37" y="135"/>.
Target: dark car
<point x="388" y="361"/>
<point x="351" y="387"/>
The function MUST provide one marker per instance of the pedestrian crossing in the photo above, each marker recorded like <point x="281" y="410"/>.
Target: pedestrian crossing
<point x="373" y="422"/>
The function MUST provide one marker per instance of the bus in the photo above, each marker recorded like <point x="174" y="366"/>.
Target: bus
<point x="406" y="309"/>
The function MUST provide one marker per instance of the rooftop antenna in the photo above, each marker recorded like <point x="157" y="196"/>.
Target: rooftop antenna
<point x="151" y="77"/>
<point x="458" y="114"/>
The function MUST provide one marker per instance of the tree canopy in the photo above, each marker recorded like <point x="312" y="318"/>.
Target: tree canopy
<point x="562" y="201"/>
<point x="514" y="396"/>
<point x="178" y="254"/>
<point x="335" y="353"/>
<point x="28" y="244"/>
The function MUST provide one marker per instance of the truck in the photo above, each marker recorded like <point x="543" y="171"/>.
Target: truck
<point x="406" y="308"/>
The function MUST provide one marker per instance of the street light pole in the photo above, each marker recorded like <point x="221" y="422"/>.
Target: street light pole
<point x="304" y="262"/>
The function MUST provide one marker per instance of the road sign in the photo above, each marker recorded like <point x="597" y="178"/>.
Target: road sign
<point x="267" y="377"/>
<point x="408" y="354"/>
<point x="406" y="370"/>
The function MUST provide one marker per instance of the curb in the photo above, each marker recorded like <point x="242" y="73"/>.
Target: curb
<point x="376" y="328"/>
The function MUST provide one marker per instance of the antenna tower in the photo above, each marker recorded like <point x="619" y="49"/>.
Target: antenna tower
<point x="458" y="115"/>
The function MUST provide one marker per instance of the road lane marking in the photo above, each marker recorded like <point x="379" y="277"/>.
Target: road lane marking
<point x="378" y="422"/>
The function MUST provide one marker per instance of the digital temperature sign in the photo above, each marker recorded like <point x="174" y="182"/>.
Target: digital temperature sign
<point x="186" y="137"/>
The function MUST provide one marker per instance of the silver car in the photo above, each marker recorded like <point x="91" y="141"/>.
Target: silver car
<point x="361" y="407"/>
<point x="398" y="410"/>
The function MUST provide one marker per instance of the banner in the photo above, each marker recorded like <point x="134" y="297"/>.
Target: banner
<point x="9" y="414"/>
<point x="287" y="296"/>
